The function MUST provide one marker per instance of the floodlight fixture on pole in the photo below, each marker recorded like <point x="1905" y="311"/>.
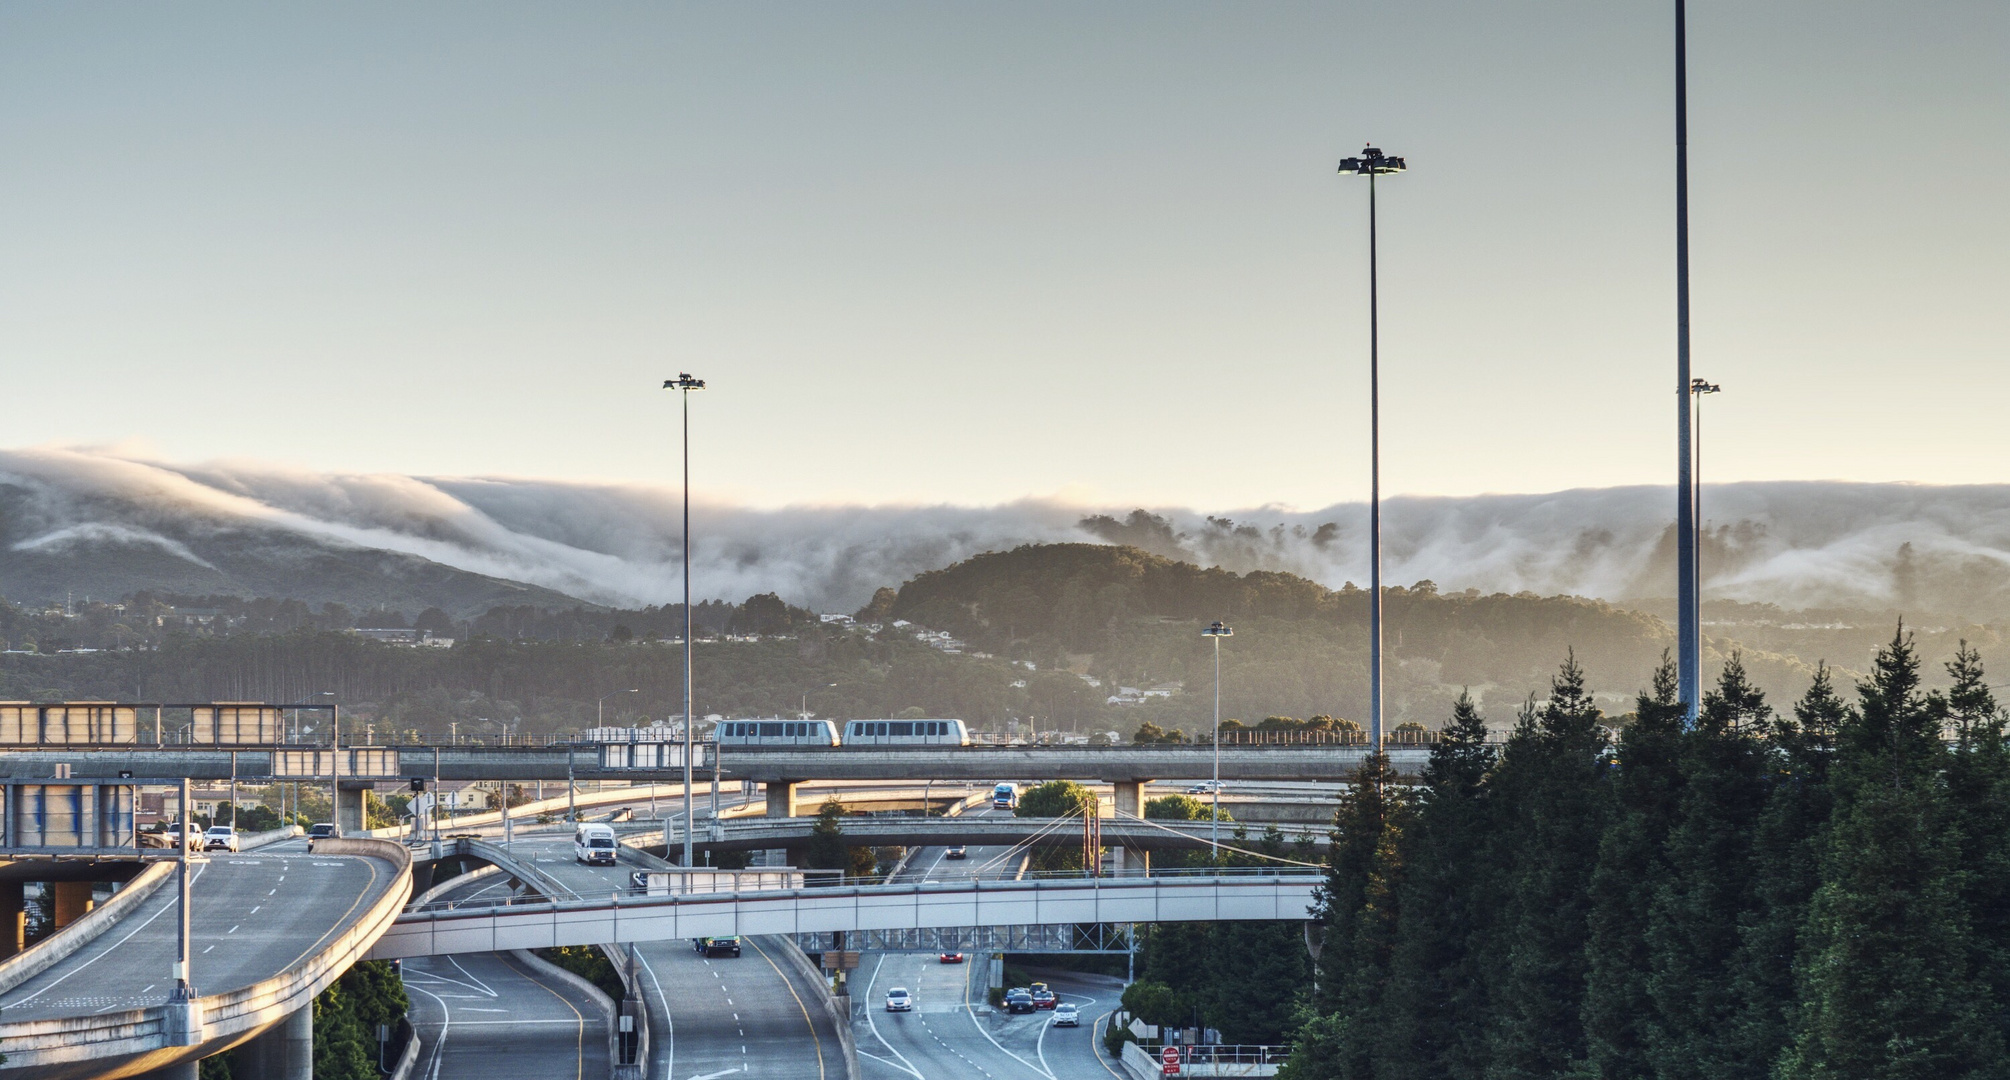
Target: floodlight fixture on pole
<point x="1215" y="632"/>
<point x="1373" y="163"/>
<point x="685" y="384"/>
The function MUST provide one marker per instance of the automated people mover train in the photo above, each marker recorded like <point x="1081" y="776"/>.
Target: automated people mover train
<point x="856" y="733"/>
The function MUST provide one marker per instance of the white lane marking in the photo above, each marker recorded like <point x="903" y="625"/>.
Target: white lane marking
<point x="974" y="1022"/>
<point x="254" y="911"/>
<point x="873" y="1022"/>
<point x="439" y="1044"/>
<point x="206" y="948"/>
<point x="1040" y="1044"/>
<point x="193" y="878"/>
<point x="670" y="1060"/>
<point x="720" y="1073"/>
<point x="232" y="930"/>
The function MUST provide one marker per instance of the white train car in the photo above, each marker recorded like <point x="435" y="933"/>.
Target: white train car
<point x="906" y="733"/>
<point x="776" y="733"/>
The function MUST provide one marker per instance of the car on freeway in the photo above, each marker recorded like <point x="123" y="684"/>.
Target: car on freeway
<point x="952" y="958"/>
<point x="899" y="1000"/>
<point x="1018" y="1000"/>
<point x="1067" y="1015"/>
<point x="1043" y="998"/>
<point x="324" y="830"/>
<point x="165" y="836"/>
<point x="220" y="836"/>
<point x="1205" y="787"/>
<point x="717" y="946"/>
<point x="956" y="852"/>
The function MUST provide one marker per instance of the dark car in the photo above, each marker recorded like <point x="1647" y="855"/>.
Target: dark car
<point x="1019" y="1000"/>
<point x="719" y="946"/>
<point x="956" y="852"/>
<point x="324" y="830"/>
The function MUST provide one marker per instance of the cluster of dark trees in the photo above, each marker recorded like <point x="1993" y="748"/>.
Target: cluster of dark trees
<point x="1818" y="893"/>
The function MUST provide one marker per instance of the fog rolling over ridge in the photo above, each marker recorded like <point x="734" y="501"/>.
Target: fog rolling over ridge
<point x="101" y="523"/>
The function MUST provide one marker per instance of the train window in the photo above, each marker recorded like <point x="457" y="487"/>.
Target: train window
<point x="771" y="729"/>
<point x="934" y="728"/>
<point x="903" y="729"/>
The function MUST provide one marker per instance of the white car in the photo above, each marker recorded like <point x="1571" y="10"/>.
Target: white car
<point x="899" y="1000"/>
<point x="220" y="836"/>
<point x="1067" y="1015"/>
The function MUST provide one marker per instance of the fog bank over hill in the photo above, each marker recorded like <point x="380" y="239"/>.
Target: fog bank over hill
<point x="99" y="522"/>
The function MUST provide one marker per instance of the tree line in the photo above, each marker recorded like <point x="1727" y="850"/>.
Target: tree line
<point x="1823" y="892"/>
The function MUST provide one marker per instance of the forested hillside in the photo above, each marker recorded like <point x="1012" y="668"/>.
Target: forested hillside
<point x="1039" y="635"/>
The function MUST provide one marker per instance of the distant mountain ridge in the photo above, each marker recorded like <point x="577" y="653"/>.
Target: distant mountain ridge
<point x="83" y="521"/>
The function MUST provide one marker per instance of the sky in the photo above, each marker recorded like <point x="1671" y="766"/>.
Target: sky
<point x="962" y="253"/>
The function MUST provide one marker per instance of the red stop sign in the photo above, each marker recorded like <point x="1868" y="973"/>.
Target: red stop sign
<point x="1170" y="1056"/>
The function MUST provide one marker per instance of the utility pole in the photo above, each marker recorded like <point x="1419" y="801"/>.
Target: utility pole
<point x="1688" y="621"/>
<point x="685" y="385"/>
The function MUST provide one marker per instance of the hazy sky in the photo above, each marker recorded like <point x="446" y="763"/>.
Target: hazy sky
<point x="971" y="252"/>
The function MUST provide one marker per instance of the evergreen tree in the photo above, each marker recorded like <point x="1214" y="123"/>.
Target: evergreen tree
<point x="1978" y="789"/>
<point x="1786" y="869"/>
<point x="1356" y="908"/>
<point x="1430" y="1028"/>
<point x="1888" y="986"/>
<point x="1555" y="811"/>
<point x="1692" y="928"/>
<point x="1632" y="866"/>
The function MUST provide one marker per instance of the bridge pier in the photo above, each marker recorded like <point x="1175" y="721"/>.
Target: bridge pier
<point x="73" y="901"/>
<point x="782" y="798"/>
<point x="1129" y="799"/>
<point x="284" y="1051"/>
<point x="349" y="796"/>
<point x="13" y="917"/>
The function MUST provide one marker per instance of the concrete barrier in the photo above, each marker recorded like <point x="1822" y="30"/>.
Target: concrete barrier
<point x="46" y="953"/>
<point x="420" y="901"/>
<point x="254" y="841"/>
<point x="601" y="1002"/>
<point x="840" y="1014"/>
<point x="408" y="1061"/>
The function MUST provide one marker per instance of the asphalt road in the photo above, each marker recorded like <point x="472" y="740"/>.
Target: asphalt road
<point x="253" y="916"/>
<point x="485" y="1016"/>
<point x="954" y="1031"/>
<point x="711" y="1017"/>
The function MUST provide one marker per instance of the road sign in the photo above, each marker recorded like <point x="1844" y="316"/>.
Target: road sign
<point x="835" y="960"/>
<point x="1170" y="1056"/>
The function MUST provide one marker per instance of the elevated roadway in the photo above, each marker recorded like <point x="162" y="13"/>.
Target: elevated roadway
<point x="761" y="833"/>
<point x="1234" y="895"/>
<point x="270" y="930"/>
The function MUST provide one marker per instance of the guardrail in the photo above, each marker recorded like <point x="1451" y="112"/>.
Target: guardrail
<point x="217" y="1019"/>
<point x="52" y="950"/>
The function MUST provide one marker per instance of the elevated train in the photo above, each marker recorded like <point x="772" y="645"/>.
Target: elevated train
<point x="856" y="733"/>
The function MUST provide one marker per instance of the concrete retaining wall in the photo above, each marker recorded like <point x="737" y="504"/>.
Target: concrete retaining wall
<point x="46" y="953"/>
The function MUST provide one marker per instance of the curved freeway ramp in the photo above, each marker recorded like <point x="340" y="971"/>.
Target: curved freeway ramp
<point x="271" y="930"/>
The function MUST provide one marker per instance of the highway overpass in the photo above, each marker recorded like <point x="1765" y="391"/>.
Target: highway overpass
<point x="270" y="930"/>
<point x="619" y="919"/>
<point x="765" y="833"/>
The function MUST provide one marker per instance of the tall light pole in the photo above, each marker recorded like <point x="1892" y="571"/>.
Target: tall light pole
<point x="1215" y="633"/>
<point x="600" y="706"/>
<point x="1373" y="163"/>
<point x="684" y="384"/>
<point x="1697" y="388"/>
<point x="1688" y="624"/>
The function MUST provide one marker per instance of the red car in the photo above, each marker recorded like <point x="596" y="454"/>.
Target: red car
<point x="1044" y="998"/>
<point x="952" y="958"/>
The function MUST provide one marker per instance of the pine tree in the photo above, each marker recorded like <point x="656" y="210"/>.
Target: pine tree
<point x="1631" y="867"/>
<point x="1357" y="910"/>
<point x="1692" y="928"/>
<point x="1555" y="810"/>
<point x="1888" y="987"/>
<point x="1978" y="790"/>
<point x="1786" y="869"/>
<point x="1430" y="1021"/>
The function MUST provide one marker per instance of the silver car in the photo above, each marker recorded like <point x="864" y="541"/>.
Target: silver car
<point x="1067" y="1015"/>
<point x="220" y="836"/>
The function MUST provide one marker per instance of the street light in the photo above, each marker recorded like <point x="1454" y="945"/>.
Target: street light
<point x="1373" y="163"/>
<point x="1688" y="591"/>
<point x="1215" y="633"/>
<point x="600" y="707"/>
<point x="1697" y="388"/>
<point x="684" y="384"/>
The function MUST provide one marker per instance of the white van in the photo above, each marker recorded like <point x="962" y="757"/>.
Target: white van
<point x="594" y="843"/>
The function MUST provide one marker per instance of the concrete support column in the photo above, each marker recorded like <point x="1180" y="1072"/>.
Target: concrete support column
<point x="73" y="901"/>
<point x="349" y="806"/>
<point x="1128" y="797"/>
<point x="782" y="798"/>
<point x="13" y="917"/>
<point x="284" y="1051"/>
